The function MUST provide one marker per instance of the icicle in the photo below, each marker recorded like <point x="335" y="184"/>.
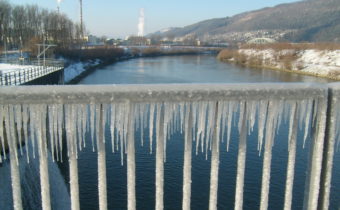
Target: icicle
<point x="50" y="127"/>
<point x="126" y="123"/>
<point x="141" y="114"/>
<point x="97" y="121"/>
<point x="167" y="117"/>
<point x="84" y="122"/>
<point x="152" y="114"/>
<point x="262" y="122"/>
<point x="280" y="113"/>
<point x="210" y="127"/>
<point x="2" y="117"/>
<point x="242" y="111"/>
<point x="201" y="125"/>
<point x="32" y="129"/>
<point x="60" y="111"/>
<point x="18" y="121"/>
<point x="307" y="119"/>
<point x="79" y="126"/>
<point x="291" y="156"/>
<point x="224" y="118"/>
<point x="25" y="123"/>
<point x="68" y="128"/>
<point x="55" y="130"/>
<point x="120" y="127"/>
<point x="92" y="115"/>
<point x="15" y="174"/>
<point x="194" y="110"/>
<point x="231" y="108"/>
<point x="104" y="120"/>
<point x="252" y="116"/>
<point x="181" y="109"/>
<point x="315" y="110"/>
<point x="112" y="126"/>
<point x="12" y="132"/>
<point x="302" y="112"/>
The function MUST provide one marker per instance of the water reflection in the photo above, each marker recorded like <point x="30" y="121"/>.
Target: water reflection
<point x="188" y="69"/>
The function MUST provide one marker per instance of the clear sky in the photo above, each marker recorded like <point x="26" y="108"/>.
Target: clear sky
<point x="115" y="19"/>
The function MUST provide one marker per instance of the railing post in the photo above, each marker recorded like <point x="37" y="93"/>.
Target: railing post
<point x="241" y="158"/>
<point x="291" y="156"/>
<point x="102" y="186"/>
<point x="312" y="185"/>
<point x="267" y="155"/>
<point x="131" y="164"/>
<point x="215" y="155"/>
<point x="40" y="115"/>
<point x="329" y="145"/>
<point x="73" y="163"/>
<point x="187" y="159"/>
<point x="160" y="158"/>
<point x="14" y="163"/>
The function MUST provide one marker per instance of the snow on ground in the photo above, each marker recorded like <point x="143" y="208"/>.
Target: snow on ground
<point x="319" y="62"/>
<point x="5" y="68"/>
<point x="75" y="69"/>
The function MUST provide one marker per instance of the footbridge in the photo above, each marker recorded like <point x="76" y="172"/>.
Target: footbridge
<point x="19" y="73"/>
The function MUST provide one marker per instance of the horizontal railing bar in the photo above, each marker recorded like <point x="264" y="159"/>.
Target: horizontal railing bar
<point x="153" y="93"/>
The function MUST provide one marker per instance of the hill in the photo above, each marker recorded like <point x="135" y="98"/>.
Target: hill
<point x="313" y="20"/>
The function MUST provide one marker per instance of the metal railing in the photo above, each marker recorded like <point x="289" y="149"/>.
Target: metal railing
<point x="34" y="70"/>
<point x="203" y="112"/>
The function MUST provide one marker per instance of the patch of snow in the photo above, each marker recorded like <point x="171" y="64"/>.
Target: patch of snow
<point x="320" y="62"/>
<point x="5" y="68"/>
<point x="75" y="69"/>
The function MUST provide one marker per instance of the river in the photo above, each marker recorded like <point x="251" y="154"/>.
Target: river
<point x="193" y="69"/>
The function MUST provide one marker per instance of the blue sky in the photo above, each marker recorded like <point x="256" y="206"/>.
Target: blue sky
<point x="115" y="19"/>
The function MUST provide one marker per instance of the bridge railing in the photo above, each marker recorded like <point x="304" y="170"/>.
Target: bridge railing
<point x="33" y="71"/>
<point x="203" y="112"/>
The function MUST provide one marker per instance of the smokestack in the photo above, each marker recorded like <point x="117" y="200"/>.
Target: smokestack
<point x="81" y="18"/>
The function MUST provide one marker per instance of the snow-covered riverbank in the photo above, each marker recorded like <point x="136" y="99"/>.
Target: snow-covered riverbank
<point x="324" y="63"/>
<point x="76" y="68"/>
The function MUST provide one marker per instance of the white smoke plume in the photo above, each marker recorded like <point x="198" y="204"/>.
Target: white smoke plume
<point x="141" y="22"/>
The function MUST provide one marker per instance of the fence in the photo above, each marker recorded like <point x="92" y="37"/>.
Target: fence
<point x="203" y="112"/>
<point x="35" y="70"/>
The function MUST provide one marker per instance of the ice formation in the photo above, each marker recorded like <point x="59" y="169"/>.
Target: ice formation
<point x="205" y="125"/>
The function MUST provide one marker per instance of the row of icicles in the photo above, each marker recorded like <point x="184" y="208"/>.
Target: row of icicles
<point x="50" y="121"/>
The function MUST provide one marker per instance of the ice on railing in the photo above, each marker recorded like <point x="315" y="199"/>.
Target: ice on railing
<point x="210" y="123"/>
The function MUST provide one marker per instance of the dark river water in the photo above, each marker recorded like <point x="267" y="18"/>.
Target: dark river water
<point x="194" y="69"/>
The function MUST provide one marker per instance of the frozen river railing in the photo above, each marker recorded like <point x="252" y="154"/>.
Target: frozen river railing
<point x="38" y="116"/>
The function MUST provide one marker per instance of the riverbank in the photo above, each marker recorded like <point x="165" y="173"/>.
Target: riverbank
<point x="319" y="60"/>
<point x="81" y="63"/>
